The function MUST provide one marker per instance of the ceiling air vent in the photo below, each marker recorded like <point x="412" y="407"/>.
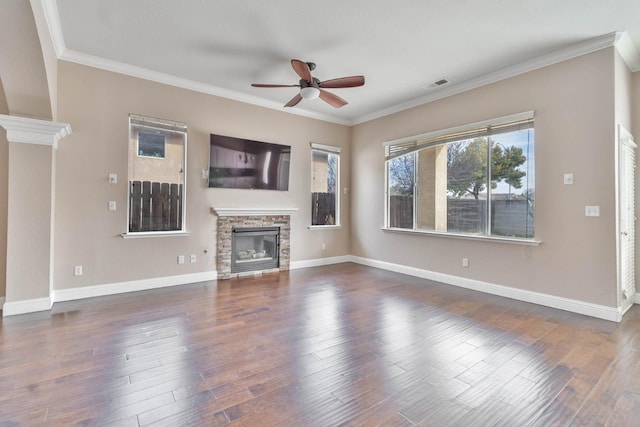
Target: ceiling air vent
<point x="437" y="83"/>
<point x="440" y="82"/>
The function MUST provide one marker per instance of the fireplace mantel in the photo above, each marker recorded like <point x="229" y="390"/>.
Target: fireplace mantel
<point x="253" y="211"/>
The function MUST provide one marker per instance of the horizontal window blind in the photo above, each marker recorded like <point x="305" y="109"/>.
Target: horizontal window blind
<point x="151" y="122"/>
<point x="326" y="148"/>
<point x="403" y="146"/>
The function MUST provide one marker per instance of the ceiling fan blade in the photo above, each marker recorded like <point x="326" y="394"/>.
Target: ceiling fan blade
<point x="351" y="81"/>
<point x="294" y="101"/>
<point x="302" y="69"/>
<point x="331" y="99"/>
<point x="270" y="85"/>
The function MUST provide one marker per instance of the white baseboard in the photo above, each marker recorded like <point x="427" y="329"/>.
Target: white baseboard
<point x="131" y="286"/>
<point x="571" y="305"/>
<point x="26" y="306"/>
<point x="574" y="306"/>
<point x="294" y="265"/>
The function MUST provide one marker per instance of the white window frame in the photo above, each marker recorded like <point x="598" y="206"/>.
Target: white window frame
<point x="167" y="127"/>
<point x="332" y="150"/>
<point x="415" y="143"/>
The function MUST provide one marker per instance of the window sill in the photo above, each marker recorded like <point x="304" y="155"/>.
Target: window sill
<point x="494" y="239"/>
<point x="324" y="227"/>
<point x="145" y="234"/>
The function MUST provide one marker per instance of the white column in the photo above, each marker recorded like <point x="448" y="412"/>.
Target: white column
<point x="30" y="212"/>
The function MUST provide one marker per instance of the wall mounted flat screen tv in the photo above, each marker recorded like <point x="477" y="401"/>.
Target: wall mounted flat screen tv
<point x="244" y="163"/>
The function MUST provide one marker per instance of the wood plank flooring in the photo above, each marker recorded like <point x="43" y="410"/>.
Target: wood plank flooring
<point x="328" y="346"/>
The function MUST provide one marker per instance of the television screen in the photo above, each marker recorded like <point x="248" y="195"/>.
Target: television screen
<point x="244" y="163"/>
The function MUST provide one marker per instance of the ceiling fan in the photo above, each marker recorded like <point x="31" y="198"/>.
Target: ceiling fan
<point x="312" y="88"/>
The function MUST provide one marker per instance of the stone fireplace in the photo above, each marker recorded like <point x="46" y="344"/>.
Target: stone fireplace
<point x="252" y="240"/>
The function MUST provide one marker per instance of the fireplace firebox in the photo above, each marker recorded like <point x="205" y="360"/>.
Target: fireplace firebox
<point x="254" y="249"/>
<point x="237" y="218"/>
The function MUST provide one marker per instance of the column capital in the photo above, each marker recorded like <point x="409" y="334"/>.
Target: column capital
<point x="34" y="131"/>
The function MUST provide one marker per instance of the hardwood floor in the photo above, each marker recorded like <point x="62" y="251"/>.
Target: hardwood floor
<point x="336" y="345"/>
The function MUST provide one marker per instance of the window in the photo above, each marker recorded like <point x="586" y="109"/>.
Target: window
<point x="325" y="182"/>
<point x="157" y="162"/>
<point x="151" y="144"/>
<point x="476" y="179"/>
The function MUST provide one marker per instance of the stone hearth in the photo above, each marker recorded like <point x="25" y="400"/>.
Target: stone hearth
<point x="230" y="218"/>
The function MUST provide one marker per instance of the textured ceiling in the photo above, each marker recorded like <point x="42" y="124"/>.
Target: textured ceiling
<point x="400" y="47"/>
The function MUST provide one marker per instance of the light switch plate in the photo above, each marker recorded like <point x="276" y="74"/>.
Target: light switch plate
<point x="112" y="205"/>
<point x="568" y="178"/>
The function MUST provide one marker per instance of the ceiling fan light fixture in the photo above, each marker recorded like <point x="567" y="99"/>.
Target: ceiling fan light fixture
<point x="312" y="88"/>
<point x="309" y="92"/>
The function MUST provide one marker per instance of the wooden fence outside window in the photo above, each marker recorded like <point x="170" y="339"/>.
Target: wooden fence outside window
<point x="155" y="206"/>
<point x="323" y="208"/>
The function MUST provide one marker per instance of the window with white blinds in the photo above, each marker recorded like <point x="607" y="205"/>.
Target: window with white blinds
<point x="473" y="179"/>
<point x="487" y="128"/>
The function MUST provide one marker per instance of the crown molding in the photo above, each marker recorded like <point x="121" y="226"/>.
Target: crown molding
<point x="52" y="17"/>
<point x="50" y="8"/>
<point x="573" y="51"/>
<point x="626" y="48"/>
<point x="34" y="131"/>
<point x="620" y="40"/>
<point x="167" y="79"/>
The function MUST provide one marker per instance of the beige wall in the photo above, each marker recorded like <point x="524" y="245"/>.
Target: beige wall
<point x="574" y="129"/>
<point x="97" y="104"/>
<point x="22" y="66"/>
<point x="4" y="171"/>
<point x="29" y="221"/>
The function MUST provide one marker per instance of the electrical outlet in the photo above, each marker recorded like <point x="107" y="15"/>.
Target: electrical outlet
<point x="465" y="262"/>
<point x="112" y="205"/>
<point x="568" y="178"/>
<point x="77" y="270"/>
<point x="324" y="246"/>
<point x="193" y="259"/>
<point x="592" y="211"/>
<point x="113" y="178"/>
<point x="180" y="259"/>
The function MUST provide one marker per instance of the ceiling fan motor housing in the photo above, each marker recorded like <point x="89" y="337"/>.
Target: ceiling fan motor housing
<point x="314" y="83"/>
